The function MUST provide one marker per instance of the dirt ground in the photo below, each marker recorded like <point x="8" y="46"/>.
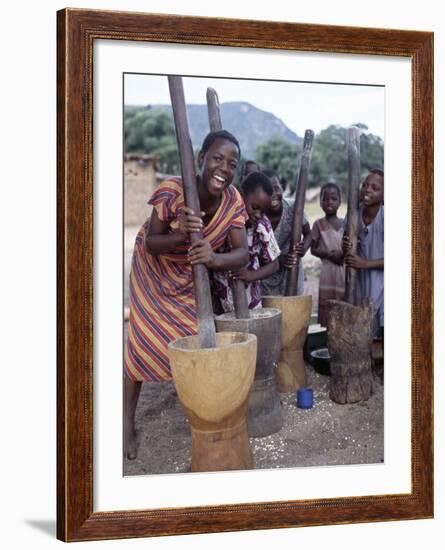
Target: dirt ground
<point x="327" y="434"/>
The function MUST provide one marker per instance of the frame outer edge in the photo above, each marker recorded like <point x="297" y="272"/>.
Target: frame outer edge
<point x="61" y="265"/>
<point x="74" y="251"/>
<point x="423" y="269"/>
<point x="75" y="517"/>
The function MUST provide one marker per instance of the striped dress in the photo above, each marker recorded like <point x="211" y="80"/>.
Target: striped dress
<point x="162" y="300"/>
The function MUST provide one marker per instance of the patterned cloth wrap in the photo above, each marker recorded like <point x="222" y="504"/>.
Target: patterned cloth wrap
<point x="263" y="249"/>
<point x="275" y="285"/>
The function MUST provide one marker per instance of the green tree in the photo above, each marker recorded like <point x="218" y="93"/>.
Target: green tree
<point x="151" y="131"/>
<point x="371" y="152"/>
<point x="278" y="154"/>
<point x="329" y="156"/>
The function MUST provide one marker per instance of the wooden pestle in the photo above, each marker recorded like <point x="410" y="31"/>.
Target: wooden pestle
<point x="352" y="217"/>
<point x="204" y="310"/>
<point x="237" y="286"/>
<point x="297" y="222"/>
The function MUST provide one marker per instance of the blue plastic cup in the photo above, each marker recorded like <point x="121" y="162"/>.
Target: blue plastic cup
<point x="305" y="398"/>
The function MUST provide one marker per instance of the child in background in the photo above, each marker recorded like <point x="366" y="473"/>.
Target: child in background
<point x="370" y="249"/>
<point x="256" y="191"/>
<point x="281" y="214"/>
<point x="247" y="168"/>
<point x="327" y="234"/>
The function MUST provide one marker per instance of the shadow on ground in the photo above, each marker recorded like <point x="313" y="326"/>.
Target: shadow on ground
<point x="47" y="526"/>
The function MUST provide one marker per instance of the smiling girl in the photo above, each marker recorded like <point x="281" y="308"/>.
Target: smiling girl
<point x="162" y="300"/>
<point x="280" y="214"/>
<point x="256" y="190"/>
<point x="370" y="249"/>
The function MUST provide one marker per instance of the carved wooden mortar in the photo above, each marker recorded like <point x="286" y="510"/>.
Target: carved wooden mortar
<point x="213" y="386"/>
<point x="296" y="311"/>
<point x="264" y="414"/>
<point x="349" y="343"/>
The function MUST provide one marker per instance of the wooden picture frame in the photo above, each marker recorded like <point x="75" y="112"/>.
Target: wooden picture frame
<point x="77" y="31"/>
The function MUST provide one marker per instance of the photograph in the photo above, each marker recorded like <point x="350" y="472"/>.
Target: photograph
<point x="254" y="143"/>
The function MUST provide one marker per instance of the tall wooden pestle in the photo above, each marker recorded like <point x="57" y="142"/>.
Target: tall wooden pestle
<point x="204" y="310"/>
<point x="237" y="286"/>
<point x="352" y="218"/>
<point x="297" y="223"/>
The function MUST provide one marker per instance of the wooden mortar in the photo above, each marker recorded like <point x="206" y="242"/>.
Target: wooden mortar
<point x="349" y="343"/>
<point x="264" y="414"/>
<point x="296" y="311"/>
<point x="213" y="386"/>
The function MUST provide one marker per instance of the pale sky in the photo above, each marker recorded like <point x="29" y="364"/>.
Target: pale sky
<point x="300" y="105"/>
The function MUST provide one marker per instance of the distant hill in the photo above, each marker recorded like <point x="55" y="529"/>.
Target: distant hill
<point x="250" y="125"/>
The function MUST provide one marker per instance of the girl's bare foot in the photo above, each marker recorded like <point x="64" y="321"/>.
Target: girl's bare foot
<point x="130" y="445"/>
<point x="131" y="395"/>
